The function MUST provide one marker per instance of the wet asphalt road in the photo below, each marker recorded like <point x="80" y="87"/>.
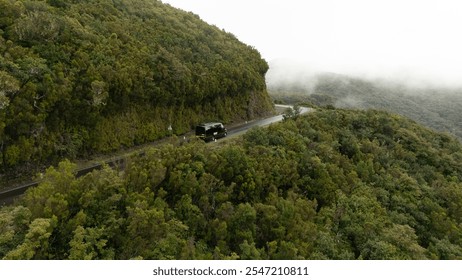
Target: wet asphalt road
<point x="8" y="196"/>
<point x="263" y="122"/>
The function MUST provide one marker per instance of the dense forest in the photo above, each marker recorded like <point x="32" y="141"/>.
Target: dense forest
<point x="435" y="107"/>
<point x="93" y="76"/>
<point x="333" y="184"/>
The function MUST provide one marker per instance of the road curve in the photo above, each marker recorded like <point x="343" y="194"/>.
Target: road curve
<point x="264" y="122"/>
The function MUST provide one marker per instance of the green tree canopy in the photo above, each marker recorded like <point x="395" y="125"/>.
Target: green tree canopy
<point x="84" y="77"/>
<point x="333" y="184"/>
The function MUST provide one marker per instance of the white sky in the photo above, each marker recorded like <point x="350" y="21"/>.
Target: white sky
<point x="387" y="38"/>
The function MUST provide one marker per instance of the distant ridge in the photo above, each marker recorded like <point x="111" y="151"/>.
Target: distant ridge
<point x="437" y="108"/>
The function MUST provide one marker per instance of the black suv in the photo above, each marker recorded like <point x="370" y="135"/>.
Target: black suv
<point x="211" y="131"/>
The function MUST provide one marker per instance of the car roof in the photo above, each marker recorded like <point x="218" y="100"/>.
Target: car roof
<point x="210" y="124"/>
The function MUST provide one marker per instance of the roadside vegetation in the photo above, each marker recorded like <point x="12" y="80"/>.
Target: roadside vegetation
<point x="79" y="78"/>
<point x="333" y="184"/>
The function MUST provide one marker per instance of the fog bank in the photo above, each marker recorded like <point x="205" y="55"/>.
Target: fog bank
<point x="415" y="42"/>
<point x="286" y="71"/>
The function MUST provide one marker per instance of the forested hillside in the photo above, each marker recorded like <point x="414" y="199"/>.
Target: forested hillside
<point x="436" y="107"/>
<point x="92" y="76"/>
<point x="334" y="184"/>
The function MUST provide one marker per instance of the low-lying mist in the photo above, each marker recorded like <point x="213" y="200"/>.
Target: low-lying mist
<point x="305" y="75"/>
<point x="435" y="105"/>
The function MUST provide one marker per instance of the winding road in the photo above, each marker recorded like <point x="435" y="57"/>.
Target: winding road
<point x="9" y="195"/>
<point x="264" y="122"/>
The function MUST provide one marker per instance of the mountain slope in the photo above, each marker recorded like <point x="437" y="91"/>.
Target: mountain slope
<point x="79" y="77"/>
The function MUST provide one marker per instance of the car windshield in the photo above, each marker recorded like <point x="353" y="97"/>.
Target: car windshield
<point x="200" y="130"/>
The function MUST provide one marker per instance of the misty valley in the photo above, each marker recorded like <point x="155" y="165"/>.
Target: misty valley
<point x="437" y="107"/>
